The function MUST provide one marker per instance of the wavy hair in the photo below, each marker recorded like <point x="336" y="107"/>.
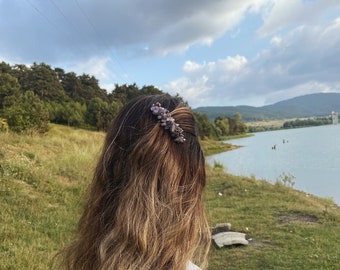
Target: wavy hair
<point x="144" y="208"/>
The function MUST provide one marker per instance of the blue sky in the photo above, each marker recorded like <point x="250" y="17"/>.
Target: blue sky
<point x="211" y="52"/>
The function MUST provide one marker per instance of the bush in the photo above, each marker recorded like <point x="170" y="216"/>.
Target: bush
<point x="3" y="124"/>
<point x="28" y="114"/>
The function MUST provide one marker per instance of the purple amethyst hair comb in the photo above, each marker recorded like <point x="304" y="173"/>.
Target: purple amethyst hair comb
<point x="168" y="122"/>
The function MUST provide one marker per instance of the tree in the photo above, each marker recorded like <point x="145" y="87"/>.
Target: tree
<point x="90" y="88"/>
<point x="67" y="113"/>
<point x="99" y="113"/>
<point x="74" y="113"/>
<point x="205" y="128"/>
<point x="236" y="126"/>
<point x="124" y="93"/>
<point x="44" y="82"/>
<point x="9" y="89"/>
<point x="5" y="68"/>
<point x="73" y="87"/>
<point x="222" y="125"/>
<point x="150" y="90"/>
<point x="27" y="114"/>
<point x="60" y="74"/>
<point x="20" y="72"/>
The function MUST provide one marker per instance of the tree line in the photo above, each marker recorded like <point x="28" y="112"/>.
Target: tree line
<point x="32" y="96"/>
<point x="307" y="122"/>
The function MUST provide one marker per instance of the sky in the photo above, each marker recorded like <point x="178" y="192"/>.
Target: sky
<point x="211" y="52"/>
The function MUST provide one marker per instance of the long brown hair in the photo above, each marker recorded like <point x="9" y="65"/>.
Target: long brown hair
<point x="144" y="208"/>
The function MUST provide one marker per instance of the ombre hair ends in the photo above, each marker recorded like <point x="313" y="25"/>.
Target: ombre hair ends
<point x="144" y="208"/>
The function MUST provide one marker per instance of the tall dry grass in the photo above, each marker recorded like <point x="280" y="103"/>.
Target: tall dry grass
<point x="42" y="182"/>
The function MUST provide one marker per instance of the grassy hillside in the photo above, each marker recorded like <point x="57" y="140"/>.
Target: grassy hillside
<point x="43" y="180"/>
<point x="42" y="183"/>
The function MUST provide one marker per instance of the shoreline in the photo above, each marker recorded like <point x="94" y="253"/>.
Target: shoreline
<point x="291" y="176"/>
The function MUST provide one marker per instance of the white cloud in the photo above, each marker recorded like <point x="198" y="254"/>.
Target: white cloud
<point x="278" y="14"/>
<point x="100" y="68"/>
<point x="190" y="66"/>
<point x="196" y="92"/>
<point x="204" y="82"/>
<point x="229" y="64"/>
<point x="234" y="64"/>
<point x="276" y="40"/>
<point x="81" y="29"/>
<point x="300" y="89"/>
<point x="305" y="60"/>
<point x="302" y="46"/>
<point x="78" y="30"/>
<point x="94" y="66"/>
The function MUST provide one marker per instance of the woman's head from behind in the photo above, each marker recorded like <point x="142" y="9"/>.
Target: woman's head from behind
<point x="145" y="208"/>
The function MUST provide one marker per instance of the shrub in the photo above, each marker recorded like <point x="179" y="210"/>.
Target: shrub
<point x="3" y="124"/>
<point x="27" y="114"/>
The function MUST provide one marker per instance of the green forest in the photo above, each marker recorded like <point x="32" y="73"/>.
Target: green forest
<point x="33" y="96"/>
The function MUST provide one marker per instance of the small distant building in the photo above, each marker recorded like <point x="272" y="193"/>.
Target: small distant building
<point x="335" y="118"/>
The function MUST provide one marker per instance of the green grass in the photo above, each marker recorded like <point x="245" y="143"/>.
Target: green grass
<point x="232" y="137"/>
<point x="289" y="229"/>
<point x="211" y="147"/>
<point x="43" y="180"/>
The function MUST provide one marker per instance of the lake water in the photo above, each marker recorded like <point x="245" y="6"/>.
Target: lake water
<point x="311" y="155"/>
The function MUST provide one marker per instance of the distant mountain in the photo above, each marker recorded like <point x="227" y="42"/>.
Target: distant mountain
<point x="321" y="104"/>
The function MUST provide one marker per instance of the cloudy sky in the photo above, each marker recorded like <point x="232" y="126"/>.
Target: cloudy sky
<point x="212" y="52"/>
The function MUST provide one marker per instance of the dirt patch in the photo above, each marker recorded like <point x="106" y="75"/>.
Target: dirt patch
<point x="297" y="217"/>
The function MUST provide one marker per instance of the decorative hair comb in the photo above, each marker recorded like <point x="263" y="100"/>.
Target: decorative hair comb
<point x="168" y="122"/>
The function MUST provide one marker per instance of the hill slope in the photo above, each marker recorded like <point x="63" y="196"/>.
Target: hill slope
<point x="321" y="104"/>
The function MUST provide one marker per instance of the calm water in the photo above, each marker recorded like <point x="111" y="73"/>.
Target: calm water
<point x="311" y="155"/>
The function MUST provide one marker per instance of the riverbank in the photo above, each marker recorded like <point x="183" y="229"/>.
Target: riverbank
<point x="286" y="228"/>
<point x="43" y="180"/>
<point x="211" y="147"/>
